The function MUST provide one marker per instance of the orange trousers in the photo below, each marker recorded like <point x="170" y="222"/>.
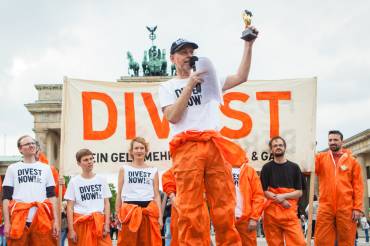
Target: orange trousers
<point x="331" y="225"/>
<point x="173" y="227"/>
<point x="140" y="226"/>
<point x="89" y="230"/>
<point x="199" y="160"/>
<point x="32" y="237"/>
<point x="169" y="186"/>
<point x="40" y="231"/>
<point x="281" y="223"/>
<point x="204" y="221"/>
<point x="249" y="238"/>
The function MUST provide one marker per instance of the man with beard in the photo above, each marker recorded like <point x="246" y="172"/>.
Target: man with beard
<point x="341" y="190"/>
<point x="282" y="183"/>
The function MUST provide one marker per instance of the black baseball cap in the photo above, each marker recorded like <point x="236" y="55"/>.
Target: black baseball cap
<point x="180" y="43"/>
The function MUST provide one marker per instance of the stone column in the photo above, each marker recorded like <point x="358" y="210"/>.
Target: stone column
<point x="41" y="135"/>
<point x="361" y="159"/>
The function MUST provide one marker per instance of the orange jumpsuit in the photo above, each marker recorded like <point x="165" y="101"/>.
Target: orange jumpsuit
<point x="281" y="223"/>
<point x="252" y="203"/>
<point x="340" y="192"/>
<point x="89" y="230"/>
<point x="43" y="159"/>
<point x="204" y="159"/>
<point x="140" y="226"/>
<point x="169" y="186"/>
<point x="40" y="231"/>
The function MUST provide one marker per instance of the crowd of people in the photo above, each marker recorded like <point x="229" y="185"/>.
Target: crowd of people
<point x="270" y="197"/>
<point x="211" y="184"/>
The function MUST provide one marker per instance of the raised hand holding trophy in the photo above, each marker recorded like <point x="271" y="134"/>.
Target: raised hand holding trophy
<point x="249" y="33"/>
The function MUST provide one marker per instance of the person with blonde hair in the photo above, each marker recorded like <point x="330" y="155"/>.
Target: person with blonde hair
<point x="138" y="201"/>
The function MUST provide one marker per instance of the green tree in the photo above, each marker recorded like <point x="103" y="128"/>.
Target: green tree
<point x="112" y="200"/>
<point x="67" y="179"/>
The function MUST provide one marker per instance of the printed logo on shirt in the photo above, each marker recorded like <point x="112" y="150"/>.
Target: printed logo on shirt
<point x="196" y="95"/>
<point x="236" y="179"/>
<point x="139" y="177"/>
<point x="29" y="175"/>
<point x="91" y="192"/>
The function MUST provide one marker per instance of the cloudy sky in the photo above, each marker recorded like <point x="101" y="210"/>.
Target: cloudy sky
<point x="42" y="41"/>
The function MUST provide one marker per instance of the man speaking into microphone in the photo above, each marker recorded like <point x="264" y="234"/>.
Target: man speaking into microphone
<point x="202" y="158"/>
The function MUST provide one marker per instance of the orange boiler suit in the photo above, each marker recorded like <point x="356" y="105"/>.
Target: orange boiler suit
<point x="340" y="192"/>
<point x="281" y="223"/>
<point x="204" y="159"/>
<point x="253" y="200"/>
<point x="40" y="231"/>
<point x="140" y="226"/>
<point x="89" y="230"/>
<point x="169" y="186"/>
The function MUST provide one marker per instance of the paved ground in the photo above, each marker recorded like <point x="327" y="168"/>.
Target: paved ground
<point x="262" y="242"/>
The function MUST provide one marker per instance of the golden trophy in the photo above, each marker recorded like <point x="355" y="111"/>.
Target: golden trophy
<point x="248" y="34"/>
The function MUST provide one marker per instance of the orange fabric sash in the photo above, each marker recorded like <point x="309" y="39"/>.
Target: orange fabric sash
<point x="42" y="221"/>
<point x="231" y="152"/>
<point x="280" y="190"/>
<point x="132" y="214"/>
<point x="277" y="210"/>
<point x="168" y="182"/>
<point x="98" y="219"/>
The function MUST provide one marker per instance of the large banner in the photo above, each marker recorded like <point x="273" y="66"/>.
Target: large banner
<point x="105" y="116"/>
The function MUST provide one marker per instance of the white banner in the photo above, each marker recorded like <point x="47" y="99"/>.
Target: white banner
<point x="105" y="116"/>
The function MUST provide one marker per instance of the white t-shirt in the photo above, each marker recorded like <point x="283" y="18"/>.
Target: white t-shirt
<point x="88" y="194"/>
<point x="239" y="198"/>
<point x="138" y="183"/>
<point x="199" y="115"/>
<point x="29" y="181"/>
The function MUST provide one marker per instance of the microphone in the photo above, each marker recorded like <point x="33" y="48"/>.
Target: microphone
<point x="192" y="61"/>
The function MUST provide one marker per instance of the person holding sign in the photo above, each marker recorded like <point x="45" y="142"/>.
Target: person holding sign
<point x="341" y="193"/>
<point x="138" y="200"/>
<point x="282" y="182"/>
<point x="249" y="202"/>
<point x="29" y="193"/>
<point x="201" y="156"/>
<point x="88" y="207"/>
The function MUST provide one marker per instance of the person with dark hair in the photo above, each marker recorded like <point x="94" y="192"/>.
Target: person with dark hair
<point x="340" y="193"/>
<point x="138" y="200"/>
<point x="64" y="224"/>
<point x="88" y="208"/>
<point x="315" y="206"/>
<point x="29" y="192"/>
<point x="113" y="227"/>
<point x="365" y="226"/>
<point x="282" y="183"/>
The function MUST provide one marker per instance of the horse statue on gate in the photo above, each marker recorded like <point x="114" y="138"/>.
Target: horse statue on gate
<point x="173" y="70"/>
<point x="132" y="65"/>
<point x="145" y="64"/>
<point x="164" y="63"/>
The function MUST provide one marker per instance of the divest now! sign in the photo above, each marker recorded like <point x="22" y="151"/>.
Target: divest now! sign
<point x="105" y="116"/>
